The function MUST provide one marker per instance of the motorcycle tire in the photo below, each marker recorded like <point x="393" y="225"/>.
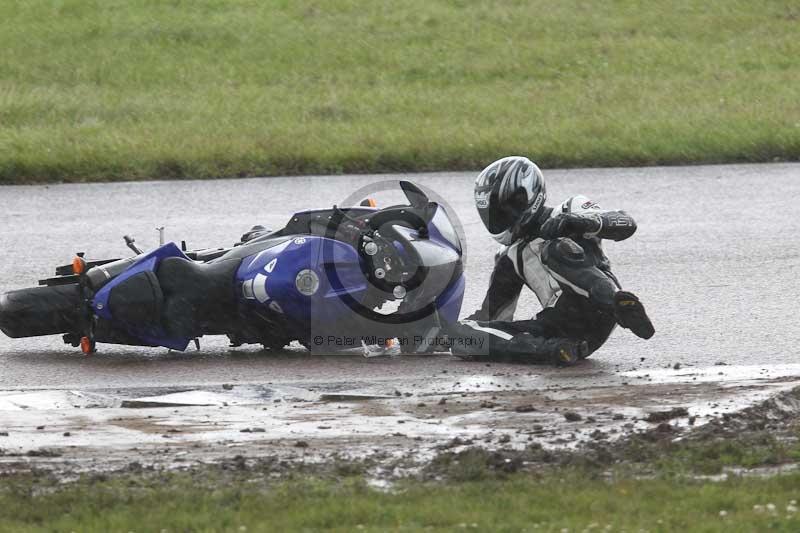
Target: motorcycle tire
<point x="40" y="311"/>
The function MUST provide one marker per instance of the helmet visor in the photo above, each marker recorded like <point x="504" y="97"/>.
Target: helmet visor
<point x="499" y="216"/>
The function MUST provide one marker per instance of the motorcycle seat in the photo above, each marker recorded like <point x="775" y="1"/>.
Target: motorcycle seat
<point x="199" y="298"/>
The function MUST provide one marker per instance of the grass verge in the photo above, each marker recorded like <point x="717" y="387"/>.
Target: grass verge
<point x="112" y="89"/>
<point x="551" y="502"/>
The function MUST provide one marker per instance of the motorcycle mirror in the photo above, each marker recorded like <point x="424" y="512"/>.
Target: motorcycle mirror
<point x="129" y="241"/>
<point x="415" y="196"/>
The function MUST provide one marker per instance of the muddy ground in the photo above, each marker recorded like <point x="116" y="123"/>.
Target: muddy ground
<point x="393" y="428"/>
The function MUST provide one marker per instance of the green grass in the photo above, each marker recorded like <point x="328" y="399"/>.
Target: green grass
<point x="643" y="454"/>
<point x="652" y="485"/>
<point x="760" y="450"/>
<point x="545" y="503"/>
<point x="135" y="89"/>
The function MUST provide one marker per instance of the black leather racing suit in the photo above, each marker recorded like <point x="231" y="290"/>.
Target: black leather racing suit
<point x="571" y="277"/>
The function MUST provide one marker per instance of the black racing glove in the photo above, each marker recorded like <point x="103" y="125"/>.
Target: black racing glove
<point x="569" y="224"/>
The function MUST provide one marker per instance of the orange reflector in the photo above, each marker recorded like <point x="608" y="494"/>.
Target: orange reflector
<point x="371" y="202"/>
<point x="78" y="265"/>
<point x="86" y="345"/>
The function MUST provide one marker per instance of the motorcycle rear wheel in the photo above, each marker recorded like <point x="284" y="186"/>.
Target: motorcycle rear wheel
<point x="40" y="311"/>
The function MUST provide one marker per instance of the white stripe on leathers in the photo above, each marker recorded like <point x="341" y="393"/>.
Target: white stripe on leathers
<point x="491" y="331"/>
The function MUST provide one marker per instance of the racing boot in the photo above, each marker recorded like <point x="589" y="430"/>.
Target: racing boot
<point x="557" y="351"/>
<point x="630" y="314"/>
<point x="480" y="341"/>
<point x="568" y="352"/>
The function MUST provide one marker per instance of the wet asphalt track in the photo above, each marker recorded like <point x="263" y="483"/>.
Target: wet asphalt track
<point x="716" y="260"/>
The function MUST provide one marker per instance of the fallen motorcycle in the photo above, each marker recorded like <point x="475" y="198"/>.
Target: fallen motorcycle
<point x="326" y="279"/>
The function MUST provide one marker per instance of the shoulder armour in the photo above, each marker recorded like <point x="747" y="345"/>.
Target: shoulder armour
<point x="579" y="205"/>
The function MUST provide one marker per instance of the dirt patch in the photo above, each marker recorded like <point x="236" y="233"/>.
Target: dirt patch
<point x="764" y="436"/>
<point x="572" y="423"/>
<point x="373" y="408"/>
<point x="662" y="416"/>
<point x="153" y="425"/>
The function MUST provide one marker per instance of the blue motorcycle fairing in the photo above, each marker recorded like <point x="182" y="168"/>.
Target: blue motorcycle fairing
<point x="268" y="279"/>
<point x="449" y="302"/>
<point x="146" y="263"/>
<point x="442" y="232"/>
<point x="440" y="229"/>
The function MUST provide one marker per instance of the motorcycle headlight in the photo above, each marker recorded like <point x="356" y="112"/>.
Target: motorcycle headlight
<point x="307" y="282"/>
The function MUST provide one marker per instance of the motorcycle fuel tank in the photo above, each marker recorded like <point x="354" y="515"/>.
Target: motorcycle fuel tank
<point x="302" y="279"/>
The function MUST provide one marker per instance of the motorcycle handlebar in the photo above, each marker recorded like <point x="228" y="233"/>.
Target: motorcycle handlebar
<point x="409" y="215"/>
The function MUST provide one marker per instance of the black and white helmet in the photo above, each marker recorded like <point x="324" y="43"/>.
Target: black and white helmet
<point x="508" y="194"/>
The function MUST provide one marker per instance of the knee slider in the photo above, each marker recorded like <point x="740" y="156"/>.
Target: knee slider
<point x="603" y="293"/>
